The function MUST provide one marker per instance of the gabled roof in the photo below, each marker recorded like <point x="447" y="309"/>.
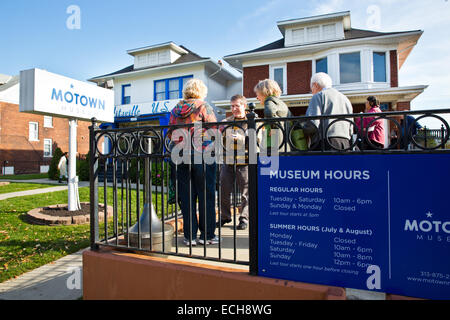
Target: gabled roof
<point x="349" y="35"/>
<point x="189" y="57"/>
<point x="170" y="44"/>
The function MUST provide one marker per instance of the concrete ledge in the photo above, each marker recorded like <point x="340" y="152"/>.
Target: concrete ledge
<point x="35" y="216"/>
<point x="111" y="275"/>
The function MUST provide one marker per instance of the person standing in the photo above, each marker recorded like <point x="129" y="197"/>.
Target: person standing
<point x="328" y="101"/>
<point x="193" y="179"/>
<point x="375" y="133"/>
<point x="235" y="137"/>
<point x="62" y="167"/>
<point x="268" y="93"/>
<point x="413" y="127"/>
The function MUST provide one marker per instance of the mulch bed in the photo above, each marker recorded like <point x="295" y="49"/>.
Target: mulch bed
<point x="64" y="211"/>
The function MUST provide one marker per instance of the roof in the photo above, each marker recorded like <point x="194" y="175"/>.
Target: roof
<point x="10" y="83"/>
<point x="4" y="78"/>
<point x="189" y="57"/>
<point x="349" y="35"/>
<point x="344" y="16"/>
<point x="170" y="44"/>
<point x="315" y="18"/>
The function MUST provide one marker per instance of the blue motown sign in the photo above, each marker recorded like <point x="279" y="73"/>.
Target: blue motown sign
<point x="371" y="222"/>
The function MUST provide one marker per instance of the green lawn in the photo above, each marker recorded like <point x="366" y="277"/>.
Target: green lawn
<point x="24" y="247"/>
<point x="25" y="176"/>
<point x="15" y="187"/>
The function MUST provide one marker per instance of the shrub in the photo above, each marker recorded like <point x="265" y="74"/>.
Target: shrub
<point x="156" y="171"/>
<point x="53" y="172"/>
<point x="83" y="168"/>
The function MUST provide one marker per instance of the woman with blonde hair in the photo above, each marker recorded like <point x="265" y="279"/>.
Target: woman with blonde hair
<point x="268" y="93"/>
<point x="192" y="177"/>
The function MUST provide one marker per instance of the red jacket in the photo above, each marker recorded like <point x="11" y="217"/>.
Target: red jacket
<point x="191" y="111"/>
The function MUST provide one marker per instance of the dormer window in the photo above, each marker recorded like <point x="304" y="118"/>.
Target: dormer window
<point x="298" y="35"/>
<point x="156" y="55"/>
<point x="313" y="34"/>
<point x="329" y="31"/>
<point x="315" y="29"/>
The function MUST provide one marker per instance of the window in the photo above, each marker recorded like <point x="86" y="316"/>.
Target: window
<point x="298" y="35"/>
<point x="379" y="67"/>
<point x="278" y="73"/>
<point x="313" y="34"/>
<point x="153" y="58"/>
<point x="170" y="89"/>
<point x="322" y="65"/>
<point x="278" y="77"/>
<point x="329" y="31"/>
<point x="384" y="107"/>
<point x="350" y="67"/>
<point x="48" y="122"/>
<point x="142" y="59"/>
<point x="33" y="131"/>
<point x="126" y="94"/>
<point x="48" y="148"/>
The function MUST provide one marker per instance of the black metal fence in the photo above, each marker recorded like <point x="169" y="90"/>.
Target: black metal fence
<point x="151" y="186"/>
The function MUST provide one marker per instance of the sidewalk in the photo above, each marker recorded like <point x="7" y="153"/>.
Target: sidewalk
<point x="59" y="280"/>
<point x="61" y="187"/>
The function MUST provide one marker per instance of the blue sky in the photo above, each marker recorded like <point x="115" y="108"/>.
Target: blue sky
<point x="34" y="33"/>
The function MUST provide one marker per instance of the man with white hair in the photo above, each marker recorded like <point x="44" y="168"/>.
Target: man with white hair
<point x="328" y="101"/>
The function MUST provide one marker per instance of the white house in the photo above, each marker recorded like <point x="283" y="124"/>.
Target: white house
<point x="150" y="88"/>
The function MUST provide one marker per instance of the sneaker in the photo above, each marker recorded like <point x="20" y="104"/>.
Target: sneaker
<point x="242" y="225"/>
<point x="188" y="243"/>
<point x="222" y="223"/>
<point x="212" y="241"/>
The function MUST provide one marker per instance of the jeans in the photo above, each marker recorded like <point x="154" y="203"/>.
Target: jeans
<point x="227" y="189"/>
<point x="193" y="178"/>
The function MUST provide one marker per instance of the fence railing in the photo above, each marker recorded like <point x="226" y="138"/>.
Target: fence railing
<point x="162" y="174"/>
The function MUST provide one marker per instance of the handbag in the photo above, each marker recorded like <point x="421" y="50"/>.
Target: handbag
<point x="299" y="140"/>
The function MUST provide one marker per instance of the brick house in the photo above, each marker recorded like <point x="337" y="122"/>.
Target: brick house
<point x="360" y="62"/>
<point x="27" y="141"/>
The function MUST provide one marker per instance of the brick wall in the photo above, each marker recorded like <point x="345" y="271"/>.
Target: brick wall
<point x="299" y="77"/>
<point x="394" y="68"/>
<point x="14" y="138"/>
<point x="252" y="75"/>
<point x="403" y="106"/>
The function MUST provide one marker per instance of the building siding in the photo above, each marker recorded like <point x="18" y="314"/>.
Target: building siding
<point x="252" y="75"/>
<point x="404" y="106"/>
<point x="299" y="77"/>
<point x="394" y="68"/>
<point x="26" y="156"/>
